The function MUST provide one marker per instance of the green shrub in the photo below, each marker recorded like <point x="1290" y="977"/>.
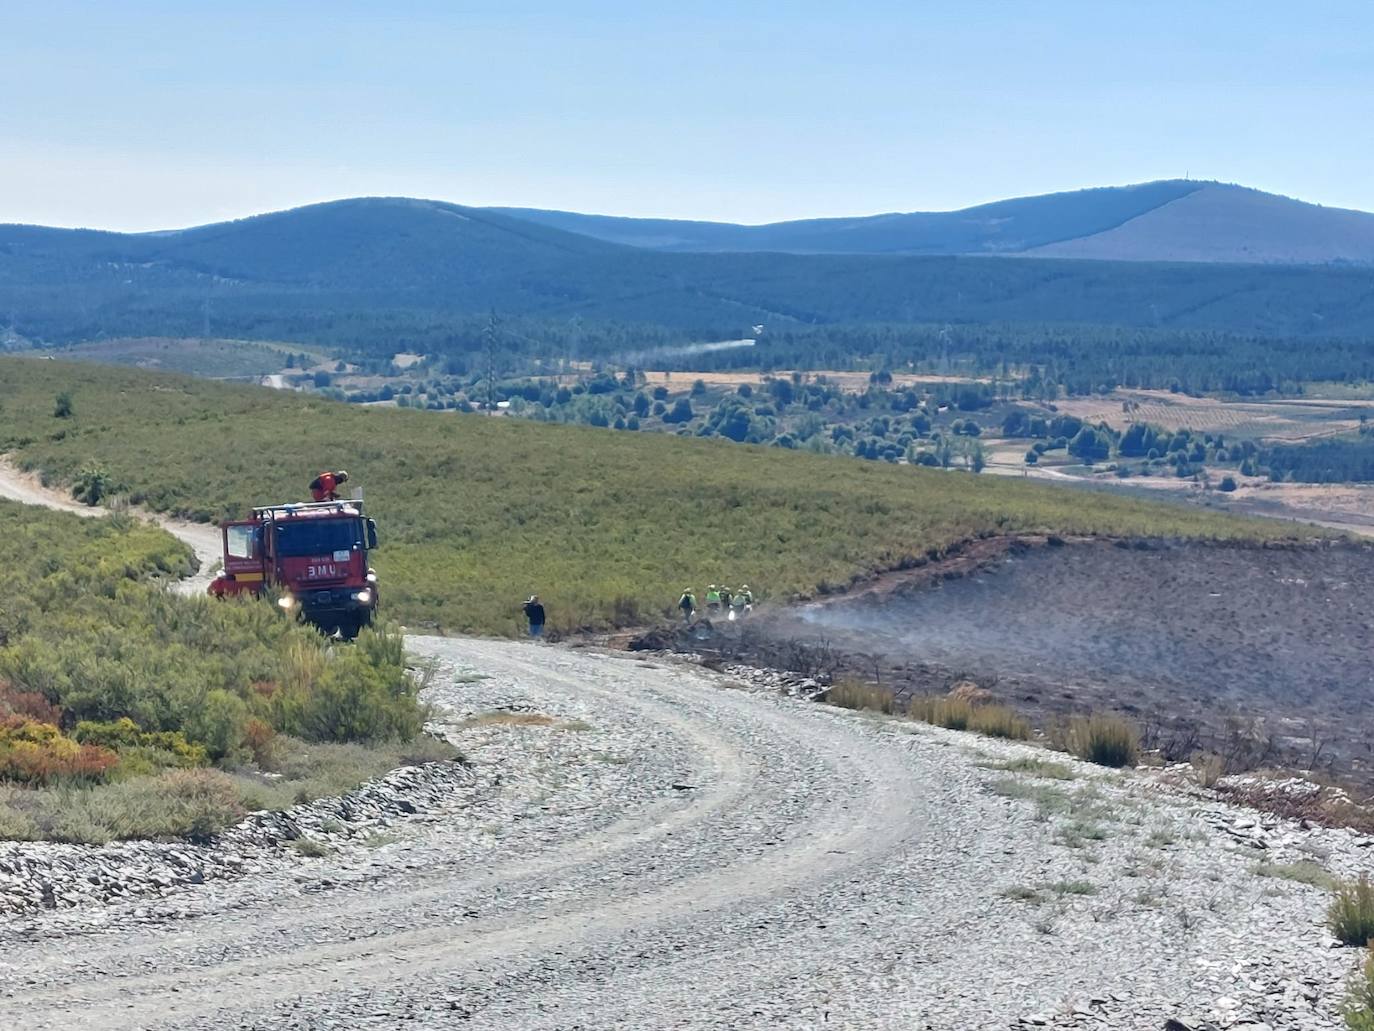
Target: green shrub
<point x="1105" y="740"/>
<point x="152" y="749"/>
<point x="354" y="699"/>
<point x="1358" y="1008"/>
<point x="220" y="722"/>
<point x="1351" y="915"/>
<point x="151" y="682"/>
<point x="92" y="485"/>
<point x="175" y="804"/>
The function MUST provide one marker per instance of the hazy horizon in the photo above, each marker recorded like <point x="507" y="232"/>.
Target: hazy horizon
<point x="152" y="116"/>
<point x="611" y="214"/>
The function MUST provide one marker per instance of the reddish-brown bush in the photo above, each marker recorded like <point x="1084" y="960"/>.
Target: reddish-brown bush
<point x="38" y="753"/>
<point x="258" y="736"/>
<point x="27" y="703"/>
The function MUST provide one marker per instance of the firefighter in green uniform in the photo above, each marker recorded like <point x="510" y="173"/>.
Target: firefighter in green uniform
<point x="688" y="604"/>
<point x="743" y="600"/>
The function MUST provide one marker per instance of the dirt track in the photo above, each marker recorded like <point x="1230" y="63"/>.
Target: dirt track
<point x="201" y="538"/>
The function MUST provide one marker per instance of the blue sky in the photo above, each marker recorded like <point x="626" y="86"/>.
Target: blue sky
<point x="145" y="115"/>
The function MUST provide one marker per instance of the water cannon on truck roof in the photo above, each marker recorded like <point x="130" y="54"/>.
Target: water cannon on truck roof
<point x="313" y="555"/>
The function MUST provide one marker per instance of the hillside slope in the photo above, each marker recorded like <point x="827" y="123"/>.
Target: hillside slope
<point x="356" y="272"/>
<point x="479" y="512"/>
<point x="1002" y="227"/>
<point x="1230" y="223"/>
<point x="1169" y="220"/>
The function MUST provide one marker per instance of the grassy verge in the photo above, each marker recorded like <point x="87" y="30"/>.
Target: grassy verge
<point x="127" y="711"/>
<point x="476" y="512"/>
<point x="197" y="803"/>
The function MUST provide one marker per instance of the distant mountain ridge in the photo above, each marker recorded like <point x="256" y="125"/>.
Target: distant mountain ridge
<point x="1168" y="220"/>
<point x="410" y="272"/>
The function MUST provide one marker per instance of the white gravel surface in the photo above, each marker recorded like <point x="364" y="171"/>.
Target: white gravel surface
<point x="673" y="851"/>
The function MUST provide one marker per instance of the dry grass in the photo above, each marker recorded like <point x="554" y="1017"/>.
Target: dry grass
<point x="950" y="713"/>
<point x="1035" y="767"/>
<point x="999" y="721"/>
<point x="854" y="694"/>
<point x="1105" y="740"/>
<point x="1304" y="872"/>
<point x="1351" y="916"/>
<point x="507" y="719"/>
<point x="1358" y="1008"/>
<point x="1208" y="767"/>
<point x="960" y="714"/>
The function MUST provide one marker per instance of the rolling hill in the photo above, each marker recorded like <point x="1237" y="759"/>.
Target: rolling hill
<point x="477" y="513"/>
<point x="372" y="270"/>
<point x="1170" y="220"/>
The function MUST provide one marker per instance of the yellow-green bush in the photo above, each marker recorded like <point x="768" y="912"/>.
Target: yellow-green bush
<point x="39" y="753"/>
<point x="141" y="750"/>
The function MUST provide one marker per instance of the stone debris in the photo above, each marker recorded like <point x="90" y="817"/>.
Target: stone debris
<point x="37" y="875"/>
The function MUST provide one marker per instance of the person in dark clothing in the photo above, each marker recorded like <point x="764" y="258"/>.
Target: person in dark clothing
<point x="534" y="612"/>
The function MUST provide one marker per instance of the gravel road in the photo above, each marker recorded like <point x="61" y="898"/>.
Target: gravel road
<point x="660" y="849"/>
<point x="649" y="845"/>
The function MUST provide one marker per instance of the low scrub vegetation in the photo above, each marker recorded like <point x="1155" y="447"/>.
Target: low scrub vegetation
<point x="1036" y="767"/>
<point x="1304" y="872"/>
<point x="958" y="714"/>
<point x="478" y="512"/>
<point x="1351" y="916"/>
<point x="1358" y="1008"/>
<point x="127" y="711"/>
<point x="854" y="694"/>
<point x="1105" y="740"/>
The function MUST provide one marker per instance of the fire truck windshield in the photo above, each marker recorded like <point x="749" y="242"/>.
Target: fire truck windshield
<point x="311" y="537"/>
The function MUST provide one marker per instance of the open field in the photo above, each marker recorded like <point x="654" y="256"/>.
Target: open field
<point x="1266" y="643"/>
<point x="211" y="358"/>
<point x="1286" y="420"/>
<point x="477" y="513"/>
<point x="850" y="382"/>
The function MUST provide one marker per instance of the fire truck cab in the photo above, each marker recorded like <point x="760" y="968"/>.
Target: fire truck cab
<point x="314" y="555"/>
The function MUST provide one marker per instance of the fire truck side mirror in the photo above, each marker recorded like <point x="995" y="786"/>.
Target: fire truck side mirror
<point x="371" y="534"/>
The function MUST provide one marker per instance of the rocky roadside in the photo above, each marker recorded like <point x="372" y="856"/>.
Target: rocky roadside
<point x="36" y="875"/>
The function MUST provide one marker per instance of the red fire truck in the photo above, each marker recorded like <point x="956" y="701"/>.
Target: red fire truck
<point x="313" y="555"/>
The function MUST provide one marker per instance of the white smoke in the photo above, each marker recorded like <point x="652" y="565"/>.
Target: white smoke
<point x="683" y="351"/>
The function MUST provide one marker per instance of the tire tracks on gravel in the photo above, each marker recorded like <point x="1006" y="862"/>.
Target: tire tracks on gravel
<point x="781" y="805"/>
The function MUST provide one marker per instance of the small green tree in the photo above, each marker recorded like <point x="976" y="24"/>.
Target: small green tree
<point x="62" y="406"/>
